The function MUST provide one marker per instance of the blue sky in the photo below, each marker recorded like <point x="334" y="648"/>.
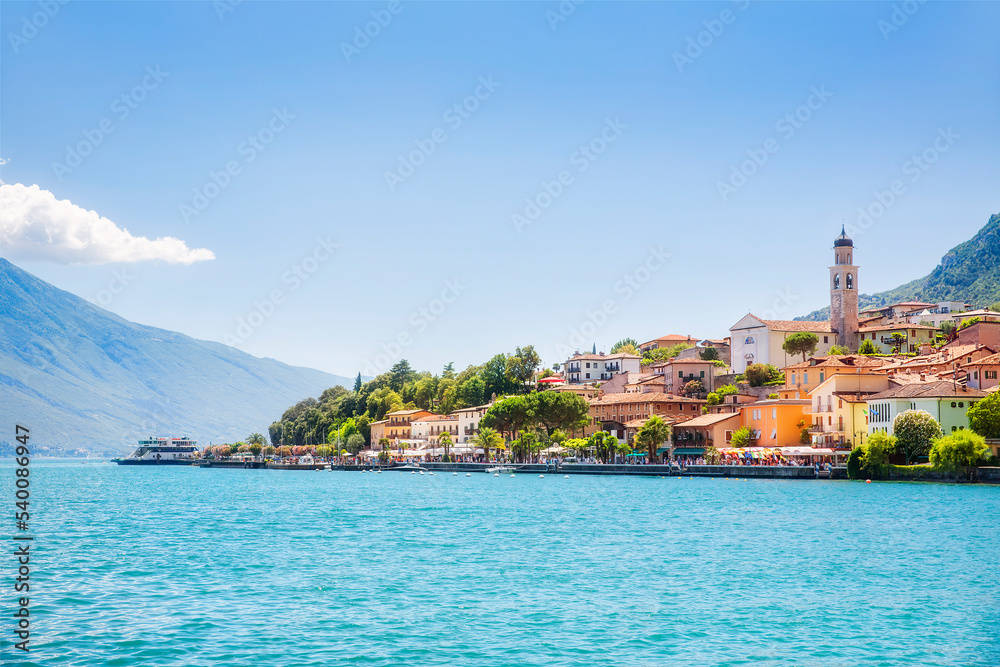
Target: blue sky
<point x="663" y="132"/>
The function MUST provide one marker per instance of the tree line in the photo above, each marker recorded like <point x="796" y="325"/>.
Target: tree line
<point x="343" y="417"/>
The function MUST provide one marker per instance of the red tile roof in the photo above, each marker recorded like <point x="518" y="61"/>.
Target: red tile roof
<point x="797" y="325"/>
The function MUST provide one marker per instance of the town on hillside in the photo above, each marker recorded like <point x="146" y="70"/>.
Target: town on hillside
<point x="771" y="392"/>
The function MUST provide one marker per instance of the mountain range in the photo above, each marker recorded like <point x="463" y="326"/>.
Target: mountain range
<point x="83" y="378"/>
<point x="969" y="272"/>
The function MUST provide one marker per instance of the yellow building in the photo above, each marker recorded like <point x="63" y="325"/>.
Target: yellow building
<point x="913" y="336"/>
<point x="839" y="408"/>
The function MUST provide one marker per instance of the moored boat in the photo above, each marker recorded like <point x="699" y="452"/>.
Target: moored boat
<point x="161" y="451"/>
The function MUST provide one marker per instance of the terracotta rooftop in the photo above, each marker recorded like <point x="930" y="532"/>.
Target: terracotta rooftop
<point x="838" y="361"/>
<point x="895" y="327"/>
<point x="932" y="389"/>
<point x="650" y="397"/>
<point x="710" y="420"/>
<point x="437" y="418"/>
<point x="796" y="325"/>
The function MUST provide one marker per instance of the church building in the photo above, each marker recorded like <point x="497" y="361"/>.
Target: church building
<point x="759" y="341"/>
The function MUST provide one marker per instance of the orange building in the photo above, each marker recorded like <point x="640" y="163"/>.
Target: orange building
<point x="775" y="422"/>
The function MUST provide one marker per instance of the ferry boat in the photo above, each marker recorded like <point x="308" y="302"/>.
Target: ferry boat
<point x="161" y="451"/>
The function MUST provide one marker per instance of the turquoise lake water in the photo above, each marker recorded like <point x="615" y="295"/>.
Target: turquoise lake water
<point x="180" y="566"/>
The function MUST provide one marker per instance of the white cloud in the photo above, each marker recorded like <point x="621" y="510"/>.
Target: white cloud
<point x="36" y="225"/>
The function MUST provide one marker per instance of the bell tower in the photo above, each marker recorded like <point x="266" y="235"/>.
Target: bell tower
<point x="844" y="292"/>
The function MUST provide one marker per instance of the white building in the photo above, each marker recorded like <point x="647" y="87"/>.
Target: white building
<point x="430" y="428"/>
<point x="468" y="421"/>
<point x="599" y="367"/>
<point x="757" y="341"/>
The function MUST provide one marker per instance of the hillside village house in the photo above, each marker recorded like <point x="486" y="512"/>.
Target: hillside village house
<point x="803" y="377"/>
<point x="667" y="341"/>
<point x="839" y="407"/>
<point x="611" y="412"/>
<point x="584" y="390"/>
<point x="710" y="430"/>
<point x="947" y="401"/>
<point x="678" y="372"/>
<point x="733" y="403"/>
<point x="986" y="333"/>
<point x="378" y="431"/>
<point x="399" y="423"/>
<point x="982" y="373"/>
<point x="468" y="421"/>
<point x="949" y="358"/>
<point x="775" y="422"/>
<point x="914" y="312"/>
<point x="913" y="336"/>
<point x="430" y="428"/>
<point x="599" y="367"/>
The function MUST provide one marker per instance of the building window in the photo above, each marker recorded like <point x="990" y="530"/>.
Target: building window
<point x="774" y="413"/>
<point x="805" y="378"/>
<point x="850" y="281"/>
<point x="588" y="376"/>
<point x="836" y="281"/>
<point x="954" y="428"/>
<point x="822" y="375"/>
<point x="953" y="404"/>
<point x="793" y="378"/>
<point x="703" y="374"/>
<point x="991" y="375"/>
<point x="961" y="404"/>
<point x="826" y="339"/>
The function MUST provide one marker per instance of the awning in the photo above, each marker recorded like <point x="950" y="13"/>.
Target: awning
<point x="689" y="451"/>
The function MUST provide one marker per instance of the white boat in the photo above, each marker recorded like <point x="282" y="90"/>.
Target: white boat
<point x="501" y="469"/>
<point x="161" y="451"/>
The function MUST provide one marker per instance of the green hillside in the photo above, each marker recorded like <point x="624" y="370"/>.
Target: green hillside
<point x="968" y="272"/>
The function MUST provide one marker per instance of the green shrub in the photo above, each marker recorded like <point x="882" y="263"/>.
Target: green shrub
<point x="854" y="463"/>
<point x="961" y="449"/>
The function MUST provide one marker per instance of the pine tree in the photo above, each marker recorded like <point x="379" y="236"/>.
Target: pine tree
<point x="357" y="383"/>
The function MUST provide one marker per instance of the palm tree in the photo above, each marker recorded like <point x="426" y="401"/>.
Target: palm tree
<point x="488" y="439"/>
<point x="255" y="439"/>
<point x="652" y="434"/>
<point x="445" y="441"/>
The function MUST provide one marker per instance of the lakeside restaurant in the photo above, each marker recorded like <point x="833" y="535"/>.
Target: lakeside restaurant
<point x="782" y="455"/>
